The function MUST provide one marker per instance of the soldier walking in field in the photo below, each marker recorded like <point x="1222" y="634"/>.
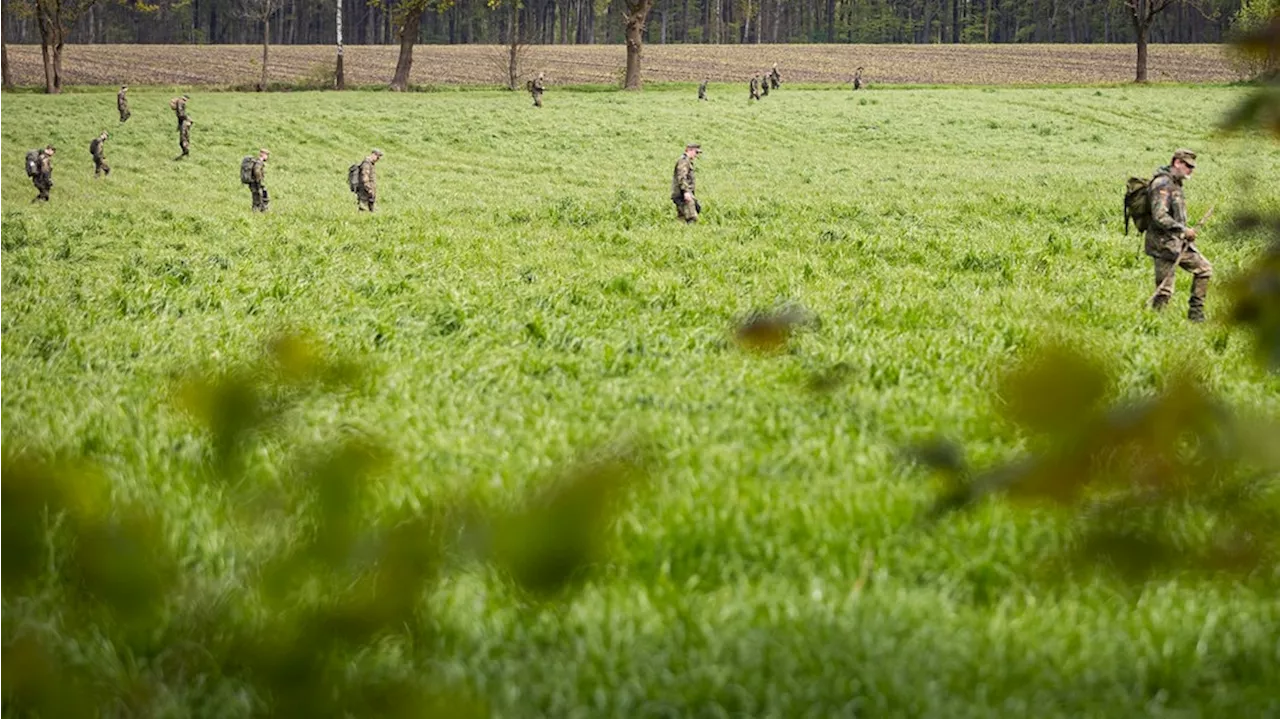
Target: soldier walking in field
<point x="367" y="181"/>
<point x="857" y="79"/>
<point x="40" y="170"/>
<point x="253" y="172"/>
<point x="184" y="137"/>
<point x="1170" y="241"/>
<point x="774" y="78"/>
<point x="122" y="103"/>
<point x="179" y="105"/>
<point x="683" y="187"/>
<point x="702" y="90"/>
<point x="764" y="86"/>
<point x="755" y="88"/>
<point x="535" y="88"/>
<point x="98" y="148"/>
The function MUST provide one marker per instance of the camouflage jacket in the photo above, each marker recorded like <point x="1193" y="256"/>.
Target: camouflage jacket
<point x="180" y="108"/>
<point x="46" y="166"/>
<point x="682" y="181"/>
<point x="702" y="90"/>
<point x="122" y="102"/>
<point x="259" y="170"/>
<point x="368" y="177"/>
<point x="755" y="85"/>
<point x="98" y="148"/>
<point x="537" y="86"/>
<point x="1168" y="216"/>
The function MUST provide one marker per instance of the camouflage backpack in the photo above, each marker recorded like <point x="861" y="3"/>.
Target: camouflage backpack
<point x="353" y="177"/>
<point x="1137" y="204"/>
<point x="246" y="170"/>
<point x="33" y="163"/>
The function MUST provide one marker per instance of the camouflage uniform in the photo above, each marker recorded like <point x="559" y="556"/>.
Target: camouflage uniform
<point x="536" y="89"/>
<point x="774" y="77"/>
<point x="1168" y="247"/>
<point x="764" y="87"/>
<point x="179" y="105"/>
<point x="857" y="79"/>
<point x="122" y="104"/>
<point x="682" y="181"/>
<point x="98" y="149"/>
<point x="43" y="179"/>
<point x="755" y="88"/>
<point x="367" y="191"/>
<point x="256" y="188"/>
<point x="702" y="90"/>
<point x="184" y="136"/>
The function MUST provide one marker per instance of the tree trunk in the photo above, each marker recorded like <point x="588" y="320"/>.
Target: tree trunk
<point x="1142" y="52"/>
<point x="266" y="40"/>
<point x="339" y="77"/>
<point x="637" y="11"/>
<point x="4" y="64"/>
<point x="408" y="36"/>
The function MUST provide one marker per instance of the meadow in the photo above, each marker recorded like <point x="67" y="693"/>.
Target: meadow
<point x="524" y="295"/>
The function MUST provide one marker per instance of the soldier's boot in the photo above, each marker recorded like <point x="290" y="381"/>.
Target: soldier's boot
<point x="1159" y="301"/>
<point x="1195" y="308"/>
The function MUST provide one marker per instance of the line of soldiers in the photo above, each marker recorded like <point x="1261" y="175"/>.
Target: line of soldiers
<point x="760" y="84"/>
<point x="362" y="177"/>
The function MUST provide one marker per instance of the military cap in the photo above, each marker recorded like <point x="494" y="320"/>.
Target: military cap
<point x="1186" y="156"/>
<point x="376" y="151"/>
<point x="693" y="146"/>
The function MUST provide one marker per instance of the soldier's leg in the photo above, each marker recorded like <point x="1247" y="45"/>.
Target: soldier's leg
<point x="266" y="199"/>
<point x="255" y="192"/>
<point x="1201" y="272"/>
<point x="1164" y="282"/>
<point x="97" y="167"/>
<point x="689" y="211"/>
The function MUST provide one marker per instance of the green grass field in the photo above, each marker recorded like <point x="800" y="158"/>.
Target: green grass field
<point x="525" y="294"/>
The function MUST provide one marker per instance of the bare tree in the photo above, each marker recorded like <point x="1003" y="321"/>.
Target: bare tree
<point x="1143" y="12"/>
<point x="635" y="16"/>
<point x="406" y="15"/>
<point x="339" y="76"/>
<point x="261" y="11"/>
<point x="55" y="19"/>
<point x="510" y="59"/>
<point x="5" y="78"/>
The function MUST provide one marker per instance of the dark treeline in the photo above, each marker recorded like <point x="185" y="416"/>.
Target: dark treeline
<point x="312" y="22"/>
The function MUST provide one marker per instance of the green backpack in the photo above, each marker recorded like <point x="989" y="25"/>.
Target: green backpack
<point x="1137" y="204"/>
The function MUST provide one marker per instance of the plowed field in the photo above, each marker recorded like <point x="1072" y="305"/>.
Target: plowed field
<point x="577" y="64"/>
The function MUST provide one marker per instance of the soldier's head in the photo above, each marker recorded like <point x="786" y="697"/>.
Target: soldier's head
<point x="263" y="154"/>
<point x="103" y="136"/>
<point x="1183" y="163"/>
<point x="123" y="88"/>
<point x="374" y="155"/>
<point x="49" y="150"/>
<point x="186" y="97"/>
<point x="692" y="150"/>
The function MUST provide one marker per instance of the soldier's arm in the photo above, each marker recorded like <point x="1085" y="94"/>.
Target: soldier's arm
<point x="1161" y="199"/>
<point x="682" y="176"/>
<point x="365" y="171"/>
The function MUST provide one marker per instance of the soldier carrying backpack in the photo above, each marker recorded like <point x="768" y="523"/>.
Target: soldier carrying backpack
<point x="39" y="165"/>
<point x="363" y="180"/>
<point x="1159" y="209"/>
<point x="252" y="173"/>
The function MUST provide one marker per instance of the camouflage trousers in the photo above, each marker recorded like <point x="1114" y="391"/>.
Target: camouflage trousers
<point x="184" y="143"/>
<point x="687" y="211"/>
<point x="537" y="99"/>
<point x="100" y="166"/>
<point x="260" y="198"/>
<point x="124" y="113"/>
<point x="365" y="199"/>
<point x="43" y="186"/>
<point x="1201" y="271"/>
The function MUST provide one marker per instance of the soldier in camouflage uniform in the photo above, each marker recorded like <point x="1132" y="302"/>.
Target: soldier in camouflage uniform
<point x="774" y="78"/>
<point x="257" y="177"/>
<point x="702" y="90"/>
<point x="755" y="87"/>
<point x="683" y="187"/>
<point x="98" y="149"/>
<point x="179" y="105"/>
<point x="1170" y="241"/>
<point x="764" y="86"/>
<point x="122" y="103"/>
<point x="536" y="89"/>
<point x="367" y="190"/>
<point x="184" y="137"/>
<point x="43" y="177"/>
<point x="857" y="79"/>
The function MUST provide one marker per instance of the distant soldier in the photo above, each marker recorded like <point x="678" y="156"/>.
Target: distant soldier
<point x="40" y="170"/>
<point x="179" y="105"/>
<point x="98" y="148"/>
<point x="755" y="88"/>
<point x="367" y="182"/>
<point x="702" y="90"/>
<point x="184" y="137"/>
<point x="857" y="79"/>
<point x="122" y="103"/>
<point x="764" y="86"/>
<point x="1170" y="242"/>
<point x="683" y="187"/>
<point x="535" y="88"/>
<point x="774" y="78"/>
<point x="253" y="172"/>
